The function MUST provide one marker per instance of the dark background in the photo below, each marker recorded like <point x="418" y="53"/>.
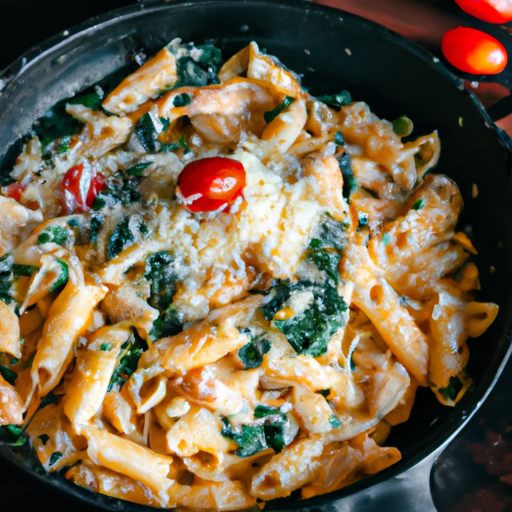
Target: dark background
<point x="475" y="472"/>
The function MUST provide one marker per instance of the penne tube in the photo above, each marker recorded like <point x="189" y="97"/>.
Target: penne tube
<point x="130" y="459"/>
<point x="69" y="315"/>
<point x="94" y="367"/>
<point x="9" y="331"/>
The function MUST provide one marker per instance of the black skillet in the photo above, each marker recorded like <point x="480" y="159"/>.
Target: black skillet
<point x="333" y="50"/>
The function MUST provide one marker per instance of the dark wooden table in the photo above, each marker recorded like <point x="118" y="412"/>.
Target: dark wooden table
<point x="475" y="473"/>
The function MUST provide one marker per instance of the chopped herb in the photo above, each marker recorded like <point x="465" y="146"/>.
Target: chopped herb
<point x="54" y="458"/>
<point x="90" y="100"/>
<point x="138" y="169"/>
<point x="385" y="239"/>
<point x="402" y="126"/>
<point x="452" y="390"/>
<point x="64" y="144"/>
<point x="44" y="439"/>
<point x="9" y="273"/>
<point x="63" y="274"/>
<point x="94" y="226"/>
<point x="272" y="114"/>
<point x="73" y="223"/>
<point x="339" y="139"/>
<point x="56" y="234"/>
<point x="119" y="189"/>
<point x="106" y="347"/>
<point x="309" y="331"/>
<point x="182" y="100"/>
<point x="252" y="353"/>
<point x="418" y="205"/>
<point x="8" y="374"/>
<point x="336" y="101"/>
<point x="363" y="219"/>
<point x="349" y="181"/>
<point x="461" y="122"/>
<point x="182" y="144"/>
<point x="120" y="239"/>
<point x="324" y="392"/>
<point x="262" y="411"/>
<point x="131" y="351"/>
<point x="50" y="398"/>
<point x="334" y="421"/>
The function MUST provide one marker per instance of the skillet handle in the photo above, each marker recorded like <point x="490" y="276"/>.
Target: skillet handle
<point x="409" y="491"/>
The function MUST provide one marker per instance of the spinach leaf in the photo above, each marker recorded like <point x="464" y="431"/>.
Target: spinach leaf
<point x="349" y="180"/>
<point x="120" y="239"/>
<point x="131" y="351"/>
<point x="196" y="66"/>
<point x="272" y="114"/>
<point x="56" y="234"/>
<point x="339" y="140"/>
<point x="147" y="132"/>
<point x="252" y="353"/>
<point x="328" y="262"/>
<point x="309" y="331"/>
<point x="54" y="458"/>
<point x="280" y="292"/>
<point x="94" y="226"/>
<point x="169" y="323"/>
<point x="12" y="435"/>
<point x="334" y="421"/>
<point x="451" y="391"/>
<point x="336" y="101"/>
<point x="8" y="374"/>
<point x="58" y="124"/>
<point x="326" y="248"/>
<point x="119" y="189"/>
<point x="418" y="205"/>
<point x="9" y="273"/>
<point x="250" y="439"/>
<point x="160" y="270"/>
<point x="332" y="234"/>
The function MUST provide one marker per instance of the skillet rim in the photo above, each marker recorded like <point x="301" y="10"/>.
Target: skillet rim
<point x="30" y="58"/>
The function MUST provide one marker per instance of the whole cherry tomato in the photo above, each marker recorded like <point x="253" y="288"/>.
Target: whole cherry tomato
<point x="474" y="51"/>
<point x="207" y="184"/>
<point x="493" y="11"/>
<point x="79" y="187"/>
<point x="14" y="190"/>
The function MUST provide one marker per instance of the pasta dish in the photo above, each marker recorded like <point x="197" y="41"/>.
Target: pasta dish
<point x="218" y="289"/>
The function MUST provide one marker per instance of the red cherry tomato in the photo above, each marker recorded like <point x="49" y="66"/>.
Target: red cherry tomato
<point x="474" y="51"/>
<point x="79" y="188"/>
<point x="207" y="184"/>
<point x="493" y="11"/>
<point x="14" y="190"/>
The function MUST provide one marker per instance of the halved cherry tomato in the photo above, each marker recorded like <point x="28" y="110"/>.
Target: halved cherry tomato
<point x="493" y="11"/>
<point x="14" y="190"/>
<point x="207" y="184"/>
<point x="79" y="187"/>
<point x="474" y="51"/>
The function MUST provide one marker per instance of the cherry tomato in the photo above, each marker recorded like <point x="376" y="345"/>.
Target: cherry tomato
<point x="207" y="184"/>
<point x="79" y="188"/>
<point x="474" y="51"/>
<point x="14" y="190"/>
<point x="493" y="11"/>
